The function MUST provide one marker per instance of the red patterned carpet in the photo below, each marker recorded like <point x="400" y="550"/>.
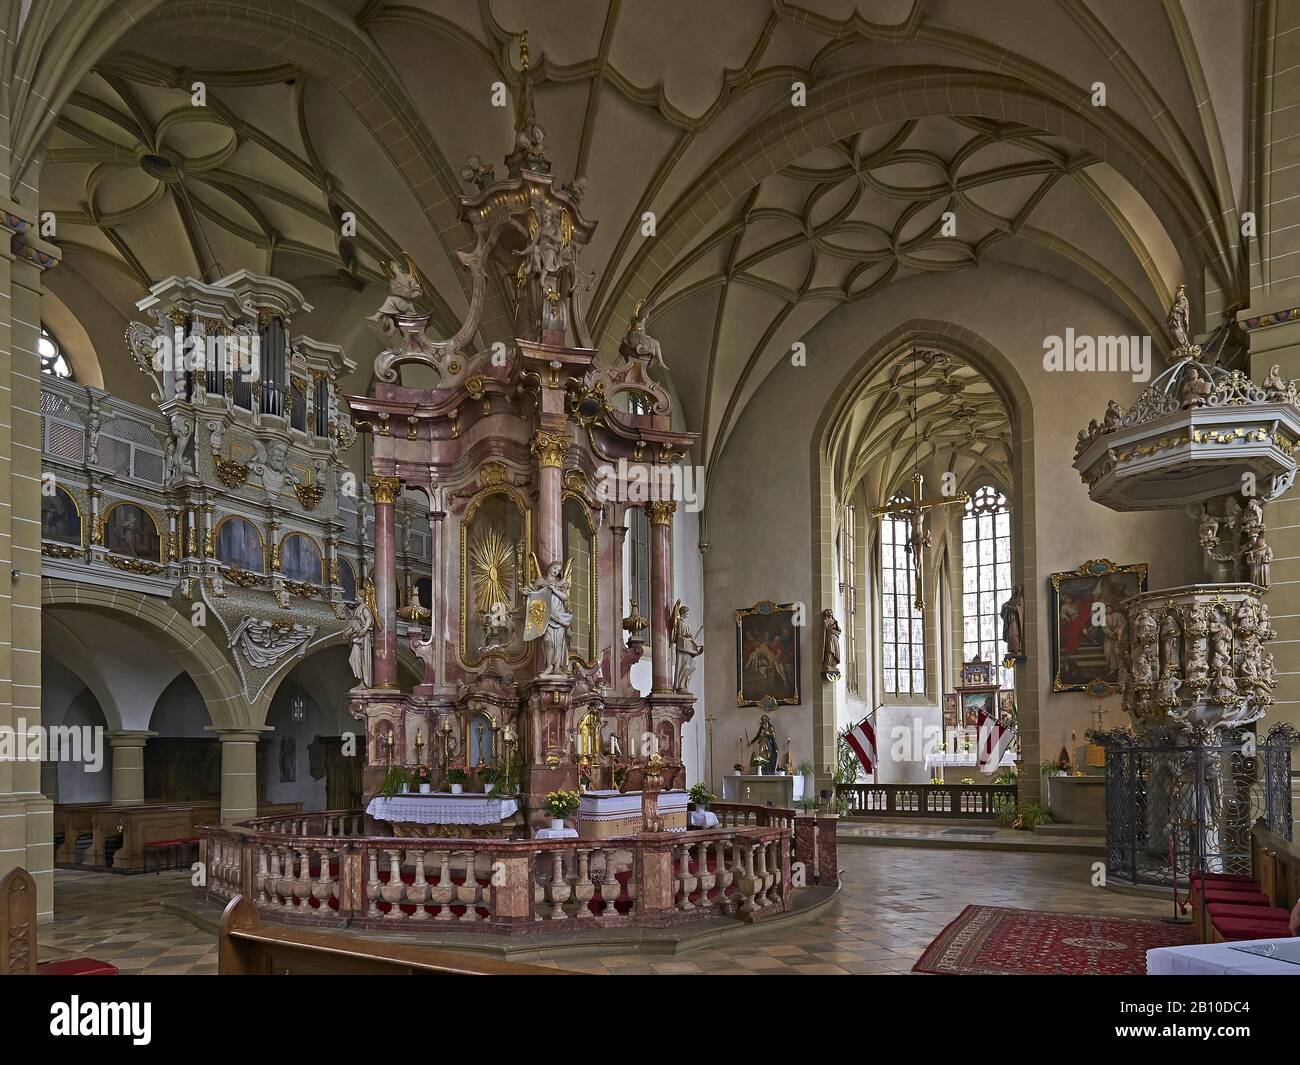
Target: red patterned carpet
<point x="991" y="941"/>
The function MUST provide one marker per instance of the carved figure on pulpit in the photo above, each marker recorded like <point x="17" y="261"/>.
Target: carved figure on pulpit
<point x="1179" y="321"/>
<point x="1171" y="635"/>
<point x="1208" y="529"/>
<point x="1259" y="559"/>
<point x="547" y="617"/>
<point x="404" y="289"/>
<point x="1114" y="632"/>
<point x="1111" y="419"/>
<point x="1198" y="668"/>
<point x="1196" y="389"/>
<point x="687" y="647"/>
<point x="1274" y="387"/>
<point x="1252" y="516"/>
<point x="1170" y="682"/>
<point x="360" y="630"/>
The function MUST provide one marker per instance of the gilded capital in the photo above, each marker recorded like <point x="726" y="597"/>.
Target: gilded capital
<point x="661" y="511"/>
<point x="385" y="489"/>
<point x="549" y="449"/>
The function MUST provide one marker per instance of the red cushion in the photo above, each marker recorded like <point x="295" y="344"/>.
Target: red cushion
<point x="76" y="967"/>
<point x="1250" y="913"/>
<point x="1246" y="884"/>
<point x="1226" y="878"/>
<point x="1238" y="898"/>
<point x="1241" y="928"/>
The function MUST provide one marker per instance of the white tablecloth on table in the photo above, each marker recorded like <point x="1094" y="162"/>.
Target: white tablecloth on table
<point x="962" y="758"/>
<point x="442" y="808"/>
<point x="556" y="833"/>
<point x="1215" y="959"/>
<point x="703" y="819"/>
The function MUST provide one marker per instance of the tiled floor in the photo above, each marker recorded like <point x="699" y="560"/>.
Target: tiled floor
<point x="895" y="901"/>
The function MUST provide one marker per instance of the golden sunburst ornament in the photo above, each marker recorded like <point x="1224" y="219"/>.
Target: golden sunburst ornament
<point x="491" y="569"/>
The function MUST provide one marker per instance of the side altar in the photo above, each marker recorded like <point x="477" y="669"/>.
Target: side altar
<point x="531" y="455"/>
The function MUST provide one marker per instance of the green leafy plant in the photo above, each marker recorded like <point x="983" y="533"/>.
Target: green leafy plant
<point x="846" y="762"/>
<point x="1005" y="775"/>
<point x="456" y="774"/>
<point x="804" y="768"/>
<point x="1004" y="810"/>
<point x="1033" y="813"/>
<point x="489" y="775"/>
<point x="840" y="804"/>
<point x="699" y="794"/>
<point x="808" y="805"/>
<point x="968" y="780"/>
<point x="1048" y="769"/>
<point x="394" y="779"/>
<point x="561" y="803"/>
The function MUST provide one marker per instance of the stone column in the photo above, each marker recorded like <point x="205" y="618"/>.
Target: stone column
<point x="661" y="593"/>
<point x="385" y="491"/>
<point x="434" y="669"/>
<point x="238" y="773"/>
<point x="549" y="449"/>
<point x="128" y="765"/>
<point x="618" y="537"/>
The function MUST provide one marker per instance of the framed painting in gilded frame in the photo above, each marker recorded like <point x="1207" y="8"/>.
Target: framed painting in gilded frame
<point x="768" y="655"/>
<point x="1085" y="656"/>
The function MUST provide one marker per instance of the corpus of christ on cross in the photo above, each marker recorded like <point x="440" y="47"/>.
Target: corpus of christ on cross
<point x="913" y="510"/>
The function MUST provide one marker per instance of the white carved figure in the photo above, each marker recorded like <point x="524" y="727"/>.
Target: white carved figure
<point x="1274" y="387"/>
<point x="1114" y="634"/>
<point x="94" y="423"/>
<point x="1195" y="390"/>
<point x="1170" y="682"/>
<point x="686" y="645"/>
<point x="1179" y="319"/>
<point x="1252" y="517"/>
<point x="271" y="464"/>
<point x="1259" y="558"/>
<point x="404" y="289"/>
<point x="1170" y="637"/>
<point x="1208" y="529"/>
<point x="547" y="616"/>
<point x="639" y="340"/>
<point x="182" y="431"/>
<point x="264" y="643"/>
<point x="360" y="631"/>
<point x="496" y="624"/>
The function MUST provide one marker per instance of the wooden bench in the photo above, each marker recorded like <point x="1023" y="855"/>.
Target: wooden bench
<point x="18" y="935"/>
<point x="73" y="820"/>
<point x="1228" y="908"/>
<point x="152" y="823"/>
<point x="245" y="947"/>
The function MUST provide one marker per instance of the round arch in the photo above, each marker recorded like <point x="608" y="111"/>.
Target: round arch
<point x="193" y="649"/>
<point x="1006" y="381"/>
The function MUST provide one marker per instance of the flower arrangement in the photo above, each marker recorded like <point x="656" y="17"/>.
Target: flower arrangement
<point x="395" y="779"/>
<point x="699" y="794"/>
<point x="457" y="774"/>
<point x="560" y="804"/>
<point x="421" y="774"/>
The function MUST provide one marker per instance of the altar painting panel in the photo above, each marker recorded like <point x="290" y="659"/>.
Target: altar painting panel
<point x="131" y="530"/>
<point x="495" y="555"/>
<point x="768" y="656"/>
<point x="1085" y="656"/>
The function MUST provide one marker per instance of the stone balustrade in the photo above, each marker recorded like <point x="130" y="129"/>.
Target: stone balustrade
<point x="316" y="868"/>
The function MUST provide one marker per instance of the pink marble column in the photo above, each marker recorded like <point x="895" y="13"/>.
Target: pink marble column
<point x="661" y="593"/>
<point x="385" y="491"/>
<point x="433" y="666"/>
<point x="549" y="449"/>
<point x="617" y="537"/>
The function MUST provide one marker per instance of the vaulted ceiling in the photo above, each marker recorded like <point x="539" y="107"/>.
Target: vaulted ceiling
<point x="768" y="216"/>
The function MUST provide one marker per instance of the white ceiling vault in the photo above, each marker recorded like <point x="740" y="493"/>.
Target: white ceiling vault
<point x="769" y="217"/>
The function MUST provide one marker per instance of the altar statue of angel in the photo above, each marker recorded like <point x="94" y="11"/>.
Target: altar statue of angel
<point x="404" y="289"/>
<point x="687" y="647"/>
<point x="638" y="340"/>
<point x="546" y="615"/>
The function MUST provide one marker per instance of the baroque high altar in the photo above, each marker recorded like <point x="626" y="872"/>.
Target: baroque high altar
<point x="528" y="454"/>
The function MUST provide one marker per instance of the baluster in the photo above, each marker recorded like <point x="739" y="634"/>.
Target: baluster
<point x="394" y="889"/>
<point x="418" y="891"/>
<point x="707" y="877"/>
<point x="263" y="875"/>
<point x="323" y="889"/>
<point x="372" y="885"/>
<point x="558" y="890"/>
<point x="609" y="887"/>
<point x="747" y="882"/>
<point x="583" y="888"/>
<point x="273" y="880"/>
<point x="724" y="876"/>
<point x="467" y="894"/>
<point x="444" y="890"/>
<point x="685" y="883"/>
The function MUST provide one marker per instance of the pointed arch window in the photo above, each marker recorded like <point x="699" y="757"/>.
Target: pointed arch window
<point x="986" y="576"/>
<point x="53" y="361"/>
<point x="902" y="626"/>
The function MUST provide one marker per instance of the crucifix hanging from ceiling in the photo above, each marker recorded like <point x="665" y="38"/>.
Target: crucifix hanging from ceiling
<point x="914" y="509"/>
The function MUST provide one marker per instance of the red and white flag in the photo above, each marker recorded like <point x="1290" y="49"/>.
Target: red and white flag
<point x="862" y="738"/>
<point x="994" y="739"/>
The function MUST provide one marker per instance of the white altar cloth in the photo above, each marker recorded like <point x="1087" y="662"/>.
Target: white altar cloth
<point x="1216" y="959"/>
<point x="611" y="806"/>
<point x="703" y="819"/>
<point x="962" y="758"/>
<point x="442" y="808"/>
<point x="556" y="833"/>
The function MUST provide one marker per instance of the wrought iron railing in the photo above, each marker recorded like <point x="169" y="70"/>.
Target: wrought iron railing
<point x="1183" y="803"/>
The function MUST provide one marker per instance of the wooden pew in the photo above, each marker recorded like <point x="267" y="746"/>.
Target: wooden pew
<point x="1275" y="868"/>
<point x="73" y="819"/>
<point x="246" y="947"/>
<point x="138" y="825"/>
<point x="18" y="935"/>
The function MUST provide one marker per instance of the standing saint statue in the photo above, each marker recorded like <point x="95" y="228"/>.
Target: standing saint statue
<point x="1179" y="320"/>
<point x="767" y="744"/>
<point x="547" y="616"/>
<point x="360" y="631"/>
<point x="1013" y="623"/>
<point x="831" y="633"/>
<point x="688" y="647"/>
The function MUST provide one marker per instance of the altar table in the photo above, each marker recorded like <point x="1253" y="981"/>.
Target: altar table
<point x="1216" y="959"/>
<point x="769" y="789"/>
<point x="441" y="814"/>
<point x="604" y="814"/>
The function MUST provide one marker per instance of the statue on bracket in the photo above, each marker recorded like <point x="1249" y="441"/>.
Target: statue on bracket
<point x="688" y="647"/>
<point x="1013" y="624"/>
<point x="404" y="289"/>
<point x="360" y="631"/>
<point x="831" y="633"/>
<point x="546" y="615"/>
<point x="639" y="341"/>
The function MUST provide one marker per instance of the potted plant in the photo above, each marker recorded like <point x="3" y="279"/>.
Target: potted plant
<point x="489" y="775"/>
<point x="397" y="781"/>
<point x="456" y="777"/>
<point x="808" y="805"/>
<point x="423" y="776"/>
<point x="700" y="796"/>
<point x="559" y="805"/>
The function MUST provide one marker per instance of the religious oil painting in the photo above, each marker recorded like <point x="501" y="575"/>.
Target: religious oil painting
<point x="1086" y="622"/>
<point x="951" y="711"/>
<point x="60" y="520"/>
<point x="975" y="703"/>
<point x="767" y="655"/>
<point x="131" y="530"/>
